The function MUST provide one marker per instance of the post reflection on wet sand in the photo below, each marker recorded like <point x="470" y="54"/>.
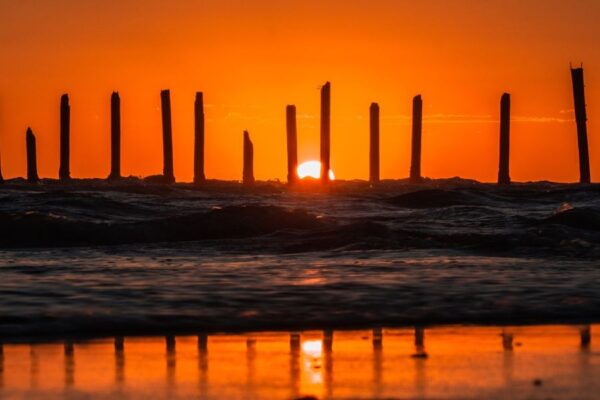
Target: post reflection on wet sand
<point x="119" y="360"/>
<point x="451" y="362"/>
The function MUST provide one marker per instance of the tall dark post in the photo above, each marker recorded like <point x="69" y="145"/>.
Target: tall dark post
<point x="503" y="172"/>
<point x="115" y="136"/>
<point x="417" y="124"/>
<point x="325" y="131"/>
<point x="374" y="143"/>
<point x="165" y="101"/>
<point x="65" y="133"/>
<point x="581" y="118"/>
<point x="248" y="174"/>
<point x="199" y="176"/>
<point x="32" y="175"/>
<point x="1" y="178"/>
<point x="292" y="143"/>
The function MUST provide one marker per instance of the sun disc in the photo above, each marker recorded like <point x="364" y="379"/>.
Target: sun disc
<point x="312" y="169"/>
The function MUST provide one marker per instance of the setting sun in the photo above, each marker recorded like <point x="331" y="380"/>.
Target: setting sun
<point x="312" y="169"/>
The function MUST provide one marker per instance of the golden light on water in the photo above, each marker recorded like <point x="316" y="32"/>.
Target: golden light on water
<point x="312" y="348"/>
<point x="462" y="362"/>
<point x="312" y="169"/>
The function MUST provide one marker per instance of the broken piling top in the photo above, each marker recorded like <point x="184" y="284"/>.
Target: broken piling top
<point x="417" y="126"/>
<point x="199" y="175"/>
<point x="374" y="143"/>
<point x="65" y="138"/>
<point x="32" y="175"/>
<point x="248" y="173"/>
<point x="115" y="136"/>
<point x="504" y="159"/>
<point x="325" y="131"/>
<point x="292" y="143"/>
<point x="165" y="101"/>
<point x="581" y="119"/>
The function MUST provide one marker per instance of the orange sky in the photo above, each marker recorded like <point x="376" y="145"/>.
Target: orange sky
<point x="251" y="58"/>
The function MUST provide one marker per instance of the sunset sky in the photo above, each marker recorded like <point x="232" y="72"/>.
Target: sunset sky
<point x="251" y="58"/>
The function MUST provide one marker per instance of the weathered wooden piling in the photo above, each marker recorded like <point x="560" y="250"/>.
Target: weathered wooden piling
<point x="199" y="176"/>
<point x="165" y="100"/>
<point x="32" y="174"/>
<point x="503" y="170"/>
<point x="64" y="172"/>
<point x="374" y="143"/>
<point x="581" y="119"/>
<point x="417" y="124"/>
<point x="115" y="136"/>
<point x="325" y="131"/>
<point x="248" y="173"/>
<point x="292" y="143"/>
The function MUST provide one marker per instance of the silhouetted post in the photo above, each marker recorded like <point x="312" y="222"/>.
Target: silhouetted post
<point x="374" y="143"/>
<point x="248" y="173"/>
<point x="65" y="133"/>
<point x="325" y="131"/>
<point x="292" y="143"/>
<point x="32" y="175"/>
<point x="199" y="176"/>
<point x="165" y="101"/>
<point x="1" y="178"/>
<point x="503" y="171"/>
<point x="115" y="136"/>
<point x="581" y="118"/>
<point x="417" y="124"/>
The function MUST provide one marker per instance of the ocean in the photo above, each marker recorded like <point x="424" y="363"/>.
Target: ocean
<point x="90" y="259"/>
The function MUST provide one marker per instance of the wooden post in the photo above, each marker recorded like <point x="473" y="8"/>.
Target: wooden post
<point x="32" y="175"/>
<point x="199" y="176"/>
<point x="325" y="131"/>
<point x="1" y="178"/>
<point x="374" y="143"/>
<point x="165" y="101"/>
<point x="581" y="118"/>
<point x="64" y="172"/>
<point x="248" y="173"/>
<point x="417" y="123"/>
<point x="115" y="136"/>
<point x="503" y="172"/>
<point x="292" y="143"/>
